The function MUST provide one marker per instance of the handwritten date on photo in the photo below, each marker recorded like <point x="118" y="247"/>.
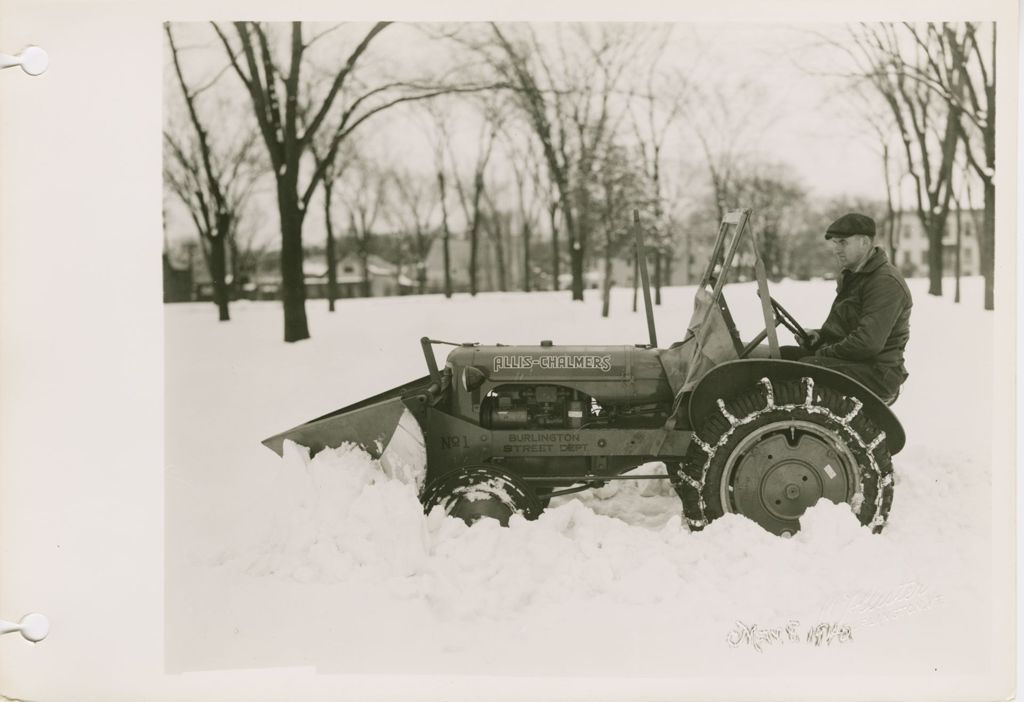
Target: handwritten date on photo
<point x="759" y="637"/>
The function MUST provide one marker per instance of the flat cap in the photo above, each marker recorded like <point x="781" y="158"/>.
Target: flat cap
<point x="851" y="224"/>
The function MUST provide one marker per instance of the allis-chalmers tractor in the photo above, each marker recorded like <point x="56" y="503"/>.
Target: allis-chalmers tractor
<point x="740" y="430"/>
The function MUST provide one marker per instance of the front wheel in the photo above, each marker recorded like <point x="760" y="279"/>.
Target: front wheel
<point x="775" y="450"/>
<point x="472" y="493"/>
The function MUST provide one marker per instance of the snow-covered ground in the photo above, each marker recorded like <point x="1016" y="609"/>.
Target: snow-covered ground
<point x="326" y="563"/>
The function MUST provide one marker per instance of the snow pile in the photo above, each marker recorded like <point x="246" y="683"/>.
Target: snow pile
<point x="336" y="517"/>
<point x="339" y="519"/>
<point x="257" y="545"/>
<point x="405" y="457"/>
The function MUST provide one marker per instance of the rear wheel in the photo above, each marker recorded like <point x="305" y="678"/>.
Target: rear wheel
<point x="477" y="492"/>
<point x="774" y="451"/>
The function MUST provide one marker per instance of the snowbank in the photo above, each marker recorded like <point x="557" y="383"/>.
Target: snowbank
<point x="336" y="543"/>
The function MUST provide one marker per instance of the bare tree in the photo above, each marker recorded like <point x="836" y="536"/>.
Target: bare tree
<point x="332" y="173"/>
<point x="622" y="187"/>
<point x="777" y="197"/>
<point x="556" y="253"/>
<point x="418" y="205"/>
<point x="959" y="246"/>
<point x="271" y="71"/>
<point x="661" y="103"/>
<point x="439" y="137"/>
<point x="446" y="232"/>
<point x="526" y="171"/>
<point x="883" y="128"/>
<point x="497" y="224"/>
<point x="470" y="197"/>
<point x="726" y="120"/>
<point x="212" y="179"/>
<point x="366" y="200"/>
<point x="975" y="65"/>
<point x="894" y="59"/>
<point x="568" y="103"/>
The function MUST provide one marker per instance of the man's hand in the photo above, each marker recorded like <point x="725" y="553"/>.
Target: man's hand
<point x="811" y="340"/>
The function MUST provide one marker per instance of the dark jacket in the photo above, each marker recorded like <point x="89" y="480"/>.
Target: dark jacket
<point x="870" y="319"/>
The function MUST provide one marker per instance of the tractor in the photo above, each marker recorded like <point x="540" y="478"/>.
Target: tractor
<point x="505" y="428"/>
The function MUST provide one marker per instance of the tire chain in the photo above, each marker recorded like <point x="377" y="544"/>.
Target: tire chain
<point x="744" y="409"/>
<point x="496" y="483"/>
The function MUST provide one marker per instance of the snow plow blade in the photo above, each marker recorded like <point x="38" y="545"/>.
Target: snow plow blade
<point x="383" y="425"/>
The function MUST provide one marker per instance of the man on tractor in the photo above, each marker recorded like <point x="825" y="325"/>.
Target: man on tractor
<point x="868" y="326"/>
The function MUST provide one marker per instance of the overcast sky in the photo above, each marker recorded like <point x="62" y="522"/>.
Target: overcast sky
<point x="808" y="122"/>
<point x="804" y="117"/>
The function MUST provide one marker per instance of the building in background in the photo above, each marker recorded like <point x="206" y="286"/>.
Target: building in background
<point x="459" y="257"/>
<point x="912" y="244"/>
<point x="385" y="277"/>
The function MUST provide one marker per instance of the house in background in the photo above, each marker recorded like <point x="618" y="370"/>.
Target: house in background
<point x="186" y="277"/>
<point x="386" y="278"/>
<point x="912" y="244"/>
<point x="459" y="256"/>
<point x="683" y="269"/>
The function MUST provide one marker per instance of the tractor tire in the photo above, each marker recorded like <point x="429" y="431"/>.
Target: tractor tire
<point x="773" y="451"/>
<point x="476" y="492"/>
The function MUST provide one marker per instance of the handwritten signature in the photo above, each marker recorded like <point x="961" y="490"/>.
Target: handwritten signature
<point x="759" y="637"/>
<point x="882" y="605"/>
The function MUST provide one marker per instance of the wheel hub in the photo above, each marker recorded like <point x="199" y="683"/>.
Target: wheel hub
<point x="782" y="469"/>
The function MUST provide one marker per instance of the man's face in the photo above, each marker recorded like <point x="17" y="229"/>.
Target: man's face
<point x="850" y="250"/>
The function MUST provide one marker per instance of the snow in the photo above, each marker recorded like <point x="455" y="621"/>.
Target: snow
<point x="331" y="563"/>
<point x="405" y="458"/>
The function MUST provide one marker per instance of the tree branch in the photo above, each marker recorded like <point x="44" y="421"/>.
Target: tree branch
<point x="339" y="80"/>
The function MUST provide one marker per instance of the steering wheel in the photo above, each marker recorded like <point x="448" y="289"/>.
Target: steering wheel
<point x="782" y="316"/>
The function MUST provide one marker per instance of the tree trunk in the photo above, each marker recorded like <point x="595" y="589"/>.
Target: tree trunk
<point x="235" y="289"/>
<point x="421" y="260"/>
<point x="499" y="253"/>
<point x="192" y="272"/>
<point x="890" y="210"/>
<point x="606" y="293"/>
<point x="332" y="262"/>
<point x="364" y="261"/>
<point x="526" y="257"/>
<point x="399" y="262"/>
<point x="959" y="229"/>
<point x="552" y="210"/>
<point x="218" y="272"/>
<point x="935" y="226"/>
<point x="657" y="275"/>
<point x="509" y="274"/>
<point x="447" y="236"/>
<point x="488" y="266"/>
<point x="576" y="248"/>
<point x="988" y="242"/>
<point x="293" y="284"/>
<point x="939" y="203"/>
<point x="478" y="187"/>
